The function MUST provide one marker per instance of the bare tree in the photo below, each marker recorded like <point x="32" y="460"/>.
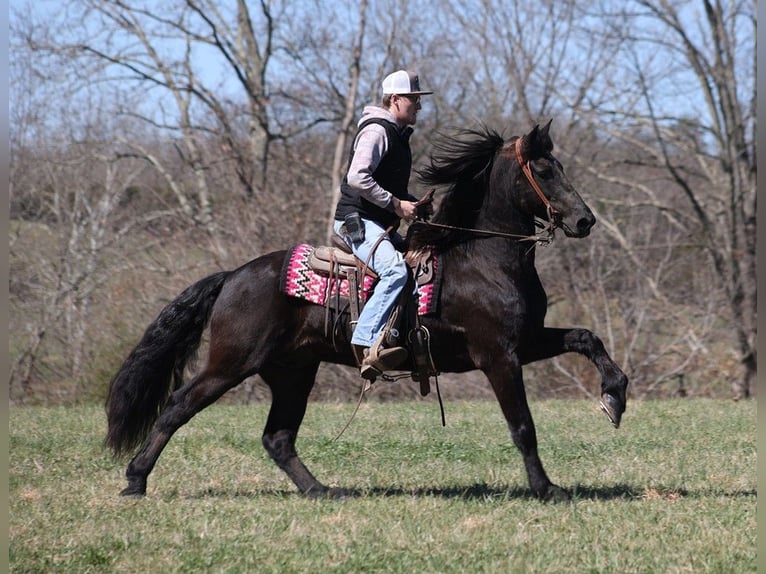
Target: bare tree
<point x="88" y="190"/>
<point x="349" y="114"/>
<point x="169" y="56"/>
<point x="235" y="117"/>
<point x="707" y="155"/>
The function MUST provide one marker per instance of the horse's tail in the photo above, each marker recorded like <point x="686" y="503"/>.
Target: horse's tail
<point x="154" y="368"/>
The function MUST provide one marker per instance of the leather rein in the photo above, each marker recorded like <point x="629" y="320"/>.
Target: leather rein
<point x="554" y="217"/>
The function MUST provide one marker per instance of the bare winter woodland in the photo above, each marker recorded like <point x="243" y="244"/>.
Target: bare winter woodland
<point x="153" y="143"/>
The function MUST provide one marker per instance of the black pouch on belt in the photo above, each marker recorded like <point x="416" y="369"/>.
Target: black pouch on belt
<point x="354" y="227"/>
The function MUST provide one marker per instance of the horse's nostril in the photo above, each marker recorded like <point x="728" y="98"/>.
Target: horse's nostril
<point x="584" y="224"/>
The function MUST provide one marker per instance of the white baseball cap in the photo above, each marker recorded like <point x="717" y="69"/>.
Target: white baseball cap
<point x="404" y="83"/>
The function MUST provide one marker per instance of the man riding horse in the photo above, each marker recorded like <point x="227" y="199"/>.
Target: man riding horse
<point x="374" y="198"/>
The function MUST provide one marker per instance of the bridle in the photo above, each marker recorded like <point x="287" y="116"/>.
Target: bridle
<point x="554" y="217"/>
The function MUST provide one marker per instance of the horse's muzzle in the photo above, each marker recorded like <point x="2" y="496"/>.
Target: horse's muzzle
<point x="581" y="228"/>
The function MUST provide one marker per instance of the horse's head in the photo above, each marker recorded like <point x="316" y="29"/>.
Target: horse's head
<point x="551" y="195"/>
<point x="489" y="194"/>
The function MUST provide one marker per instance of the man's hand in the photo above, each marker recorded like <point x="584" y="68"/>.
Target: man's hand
<point x="407" y="210"/>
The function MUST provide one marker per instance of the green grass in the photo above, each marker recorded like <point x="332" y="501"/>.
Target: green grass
<point x="673" y="491"/>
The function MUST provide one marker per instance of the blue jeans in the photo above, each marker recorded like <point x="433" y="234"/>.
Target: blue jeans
<point x="391" y="268"/>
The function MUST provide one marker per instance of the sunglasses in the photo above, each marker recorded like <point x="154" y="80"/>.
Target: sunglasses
<point x="413" y="99"/>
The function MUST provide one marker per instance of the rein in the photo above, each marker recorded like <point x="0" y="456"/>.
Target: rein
<point x="543" y="238"/>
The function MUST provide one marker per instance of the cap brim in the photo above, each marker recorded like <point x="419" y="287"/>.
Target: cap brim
<point x="421" y="93"/>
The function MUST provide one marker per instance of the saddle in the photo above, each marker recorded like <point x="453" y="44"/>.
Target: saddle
<point x="338" y="262"/>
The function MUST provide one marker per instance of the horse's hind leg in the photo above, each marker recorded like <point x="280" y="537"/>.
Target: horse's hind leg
<point x="290" y="388"/>
<point x="184" y="403"/>
<point x="614" y="383"/>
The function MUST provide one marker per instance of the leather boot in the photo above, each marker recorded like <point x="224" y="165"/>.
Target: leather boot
<point x="376" y="361"/>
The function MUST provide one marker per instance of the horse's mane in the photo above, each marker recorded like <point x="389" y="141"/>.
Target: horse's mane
<point x="462" y="162"/>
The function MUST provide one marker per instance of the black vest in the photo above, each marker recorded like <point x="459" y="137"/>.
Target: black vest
<point x="392" y="174"/>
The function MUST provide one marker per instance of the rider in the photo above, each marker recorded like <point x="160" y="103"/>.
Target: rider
<point x="373" y="198"/>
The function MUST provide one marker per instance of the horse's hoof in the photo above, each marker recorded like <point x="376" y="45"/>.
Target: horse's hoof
<point x="316" y="492"/>
<point x="611" y="408"/>
<point x="337" y="493"/>
<point x="557" y="494"/>
<point x="333" y="493"/>
<point x="134" y="491"/>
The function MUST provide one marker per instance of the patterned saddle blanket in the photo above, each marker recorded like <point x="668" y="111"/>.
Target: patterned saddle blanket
<point x="306" y="274"/>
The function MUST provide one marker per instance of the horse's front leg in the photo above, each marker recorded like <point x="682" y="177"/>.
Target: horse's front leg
<point x="508" y="385"/>
<point x="614" y="383"/>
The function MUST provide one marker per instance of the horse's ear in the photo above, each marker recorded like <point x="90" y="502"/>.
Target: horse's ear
<point x="545" y="139"/>
<point x="546" y="129"/>
<point x="529" y="143"/>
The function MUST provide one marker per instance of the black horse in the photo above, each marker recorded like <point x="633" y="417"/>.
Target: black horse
<point x="490" y="317"/>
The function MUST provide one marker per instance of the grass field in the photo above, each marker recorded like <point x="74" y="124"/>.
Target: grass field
<point x="673" y="490"/>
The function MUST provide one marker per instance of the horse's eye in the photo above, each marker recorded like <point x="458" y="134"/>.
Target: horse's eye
<point x="544" y="171"/>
